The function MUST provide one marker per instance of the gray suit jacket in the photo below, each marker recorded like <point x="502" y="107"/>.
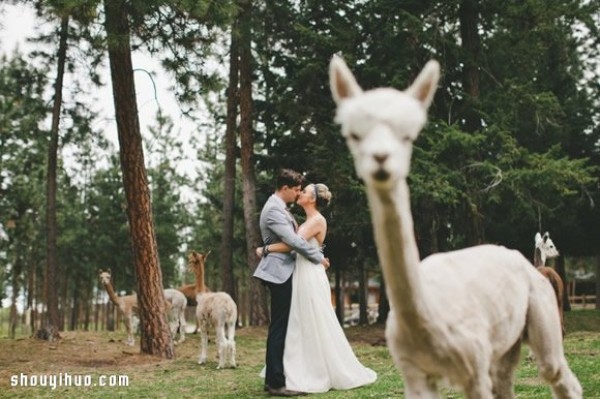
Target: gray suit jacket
<point x="277" y="225"/>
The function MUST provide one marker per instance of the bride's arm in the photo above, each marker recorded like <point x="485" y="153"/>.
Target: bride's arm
<point x="307" y="230"/>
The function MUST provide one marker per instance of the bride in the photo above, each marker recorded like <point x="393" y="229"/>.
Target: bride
<point x="317" y="355"/>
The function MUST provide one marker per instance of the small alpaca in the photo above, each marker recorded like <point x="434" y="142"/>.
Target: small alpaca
<point x="217" y="309"/>
<point x="177" y="303"/>
<point x="127" y="304"/>
<point x="545" y="249"/>
<point x="459" y="316"/>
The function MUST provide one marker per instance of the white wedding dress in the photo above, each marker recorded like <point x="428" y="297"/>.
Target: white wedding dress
<point x="318" y="356"/>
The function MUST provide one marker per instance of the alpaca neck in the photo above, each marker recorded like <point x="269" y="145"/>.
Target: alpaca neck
<point x="200" y="287"/>
<point x="398" y="253"/>
<point x="111" y="294"/>
<point x="538" y="258"/>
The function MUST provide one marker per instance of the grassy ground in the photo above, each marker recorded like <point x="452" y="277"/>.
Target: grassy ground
<point x="98" y="358"/>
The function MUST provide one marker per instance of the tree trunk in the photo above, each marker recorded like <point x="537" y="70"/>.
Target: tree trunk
<point x="155" y="335"/>
<point x="14" y="316"/>
<point x="468" y="15"/>
<point x="383" y="307"/>
<point x="560" y="269"/>
<point x="31" y="292"/>
<point x="51" y="282"/>
<point x="363" y="294"/>
<point x="75" y="309"/>
<point x="258" y="308"/>
<point x="228" y="283"/>
<point x="597" y="282"/>
<point x="339" y="294"/>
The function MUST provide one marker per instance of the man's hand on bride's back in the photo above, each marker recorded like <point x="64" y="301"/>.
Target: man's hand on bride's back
<point x="325" y="263"/>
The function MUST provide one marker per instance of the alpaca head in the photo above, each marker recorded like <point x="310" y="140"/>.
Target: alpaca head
<point x="104" y="276"/>
<point x="380" y="125"/>
<point x="546" y="246"/>
<point x="196" y="261"/>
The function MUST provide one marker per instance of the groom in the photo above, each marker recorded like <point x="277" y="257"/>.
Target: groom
<point x="275" y="270"/>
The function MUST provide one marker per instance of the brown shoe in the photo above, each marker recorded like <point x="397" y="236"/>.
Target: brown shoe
<point x="283" y="392"/>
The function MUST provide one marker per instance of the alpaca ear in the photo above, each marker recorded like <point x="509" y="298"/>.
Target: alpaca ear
<point x="546" y="236"/>
<point x="341" y="80"/>
<point x="425" y="85"/>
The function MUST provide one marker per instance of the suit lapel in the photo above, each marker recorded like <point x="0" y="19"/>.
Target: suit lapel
<point x="292" y="219"/>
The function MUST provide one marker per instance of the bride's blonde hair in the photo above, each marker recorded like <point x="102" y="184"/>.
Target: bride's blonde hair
<point x="322" y="195"/>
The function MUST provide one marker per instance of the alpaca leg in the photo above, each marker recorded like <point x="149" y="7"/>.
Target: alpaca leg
<point x="129" y="326"/>
<point x="232" y="351"/>
<point x="480" y="386"/>
<point x="231" y="341"/>
<point x="503" y="373"/>
<point x="545" y="339"/>
<point x="182" y="324"/>
<point x="203" y="343"/>
<point x="173" y="327"/>
<point x="221" y="344"/>
<point x="418" y="385"/>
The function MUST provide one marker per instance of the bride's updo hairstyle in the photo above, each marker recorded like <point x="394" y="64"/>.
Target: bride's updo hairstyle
<point x="322" y="195"/>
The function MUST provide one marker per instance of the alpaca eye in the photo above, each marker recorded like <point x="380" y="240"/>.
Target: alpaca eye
<point x="354" y="137"/>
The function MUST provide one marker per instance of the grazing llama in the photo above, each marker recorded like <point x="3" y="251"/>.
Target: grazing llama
<point x="127" y="304"/>
<point x="217" y="309"/>
<point x="177" y="303"/>
<point x="459" y="316"/>
<point x="545" y="249"/>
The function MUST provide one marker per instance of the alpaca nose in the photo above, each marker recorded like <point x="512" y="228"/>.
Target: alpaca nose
<point x="380" y="158"/>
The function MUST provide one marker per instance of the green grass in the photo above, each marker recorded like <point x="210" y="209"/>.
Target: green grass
<point x="104" y="354"/>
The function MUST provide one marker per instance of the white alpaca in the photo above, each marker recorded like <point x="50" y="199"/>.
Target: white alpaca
<point x="177" y="303"/>
<point x="217" y="309"/>
<point x="459" y="316"/>
<point x="545" y="249"/>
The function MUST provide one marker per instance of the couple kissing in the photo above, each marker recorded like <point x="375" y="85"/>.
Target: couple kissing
<point x="307" y="350"/>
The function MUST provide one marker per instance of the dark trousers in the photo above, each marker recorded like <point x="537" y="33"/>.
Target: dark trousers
<point x="281" y="298"/>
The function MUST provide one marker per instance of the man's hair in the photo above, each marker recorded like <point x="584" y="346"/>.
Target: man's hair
<point x="290" y="178"/>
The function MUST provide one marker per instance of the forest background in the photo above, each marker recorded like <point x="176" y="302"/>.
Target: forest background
<point x="511" y="147"/>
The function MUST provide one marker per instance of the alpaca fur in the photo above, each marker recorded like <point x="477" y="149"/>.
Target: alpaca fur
<point x="545" y="249"/>
<point x="189" y="290"/>
<point x="458" y="316"/>
<point x="128" y="304"/>
<point x="177" y="303"/>
<point x="217" y="309"/>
